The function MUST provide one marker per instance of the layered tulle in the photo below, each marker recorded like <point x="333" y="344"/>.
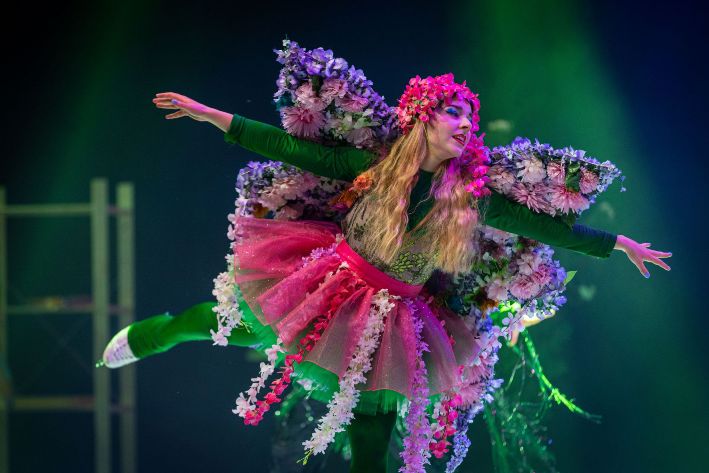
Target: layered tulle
<point x="291" y="273"/>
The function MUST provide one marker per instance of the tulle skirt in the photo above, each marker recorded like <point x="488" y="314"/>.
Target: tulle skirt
<point x="292" y="273"/>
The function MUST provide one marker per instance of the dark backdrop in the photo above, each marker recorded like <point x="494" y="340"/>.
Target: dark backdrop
<point x="624" y="81"/>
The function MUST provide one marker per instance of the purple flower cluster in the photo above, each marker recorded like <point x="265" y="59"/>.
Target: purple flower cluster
<point x="478" y="387"/>
<point x="547" y="180"/>
<point x="272" y="188"/>
<point x="461" y="442"/>
<point x="416" y="452"/>
<point x="323" y="98"/>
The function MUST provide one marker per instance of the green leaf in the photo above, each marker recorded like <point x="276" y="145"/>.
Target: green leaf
<point x="569" y="276"/>
<point x="573" y="176"/>
<point x="317" y="83"/>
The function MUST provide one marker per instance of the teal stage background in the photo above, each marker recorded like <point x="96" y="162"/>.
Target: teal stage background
<point x="623" y="81"/>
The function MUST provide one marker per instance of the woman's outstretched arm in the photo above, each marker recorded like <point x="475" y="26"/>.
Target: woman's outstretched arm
<point x="342" y="162"/>
<point x="512" y="217"/>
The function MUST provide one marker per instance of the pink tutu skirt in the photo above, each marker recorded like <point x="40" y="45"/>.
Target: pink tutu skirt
<point x="291" y="273"/>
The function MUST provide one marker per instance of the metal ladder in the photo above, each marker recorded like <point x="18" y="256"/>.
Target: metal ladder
<point x="98" y="210"/>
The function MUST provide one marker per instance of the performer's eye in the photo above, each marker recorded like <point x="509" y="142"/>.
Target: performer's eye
<point x="452" y="111"/>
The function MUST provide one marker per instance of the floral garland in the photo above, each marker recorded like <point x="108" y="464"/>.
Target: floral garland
<point x="247" y="406"/>
<point x="445" y="414"/>
<point x="461" y="442"/>
<point x="547" y="180"/>
<point x="227" y="309"/>
<point x="467" y="400"/>
<point x="340" y="407"/>
<point x="416" y="452"/>
<point x="251" y="409"/>
<point x="320" y="98"/>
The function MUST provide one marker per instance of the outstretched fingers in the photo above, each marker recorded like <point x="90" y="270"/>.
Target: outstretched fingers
<point x="161" y="103"/>
<point x="655" y="256"/>
<point x="170" y="96"/>
<point x="640" y="264"/>
<point x="177" y="114"/>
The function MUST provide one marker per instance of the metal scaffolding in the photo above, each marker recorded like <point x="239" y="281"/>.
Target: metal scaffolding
<point x="99" y="211"/>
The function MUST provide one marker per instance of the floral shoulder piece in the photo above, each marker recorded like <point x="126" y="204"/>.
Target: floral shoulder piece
<point x="323" y="98"/>
<point x="562" y="182"/>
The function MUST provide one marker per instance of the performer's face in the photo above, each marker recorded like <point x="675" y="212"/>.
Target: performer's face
<point x="449" y="129"/>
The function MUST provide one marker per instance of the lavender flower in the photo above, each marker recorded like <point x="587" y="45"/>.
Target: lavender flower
<point x="318" y="82"/>
<point x="416" y="453"/>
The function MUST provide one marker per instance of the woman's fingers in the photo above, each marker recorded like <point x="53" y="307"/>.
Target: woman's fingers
<point x="177" y="114"/>
<point x="659" y="263"/>
<point x="646" y="245"/>
<point x="168" y="104"/>
<point x="638" y="262"/>
<point x="171" y="95"/>
<point x="661" y="254"/>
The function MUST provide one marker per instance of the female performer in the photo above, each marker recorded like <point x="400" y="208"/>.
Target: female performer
<point x="343" y="306"/>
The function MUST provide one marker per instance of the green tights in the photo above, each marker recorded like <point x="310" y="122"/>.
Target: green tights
<point x="162" y="332"/>
<point x="369" y="435"/>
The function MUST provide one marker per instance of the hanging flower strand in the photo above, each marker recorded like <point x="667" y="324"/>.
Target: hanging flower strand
<point x="251" y="409"/>
<point x="416" y="452"/>
<point x="340" y="407"/>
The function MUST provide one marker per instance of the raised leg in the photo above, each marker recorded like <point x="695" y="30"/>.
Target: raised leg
<point x="159" y="333"/>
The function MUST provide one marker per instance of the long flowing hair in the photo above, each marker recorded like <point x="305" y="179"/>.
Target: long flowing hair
<point x="447" y="229"/>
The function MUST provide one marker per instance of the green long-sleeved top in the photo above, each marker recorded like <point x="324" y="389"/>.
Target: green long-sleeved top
<point x="345" y="163"/>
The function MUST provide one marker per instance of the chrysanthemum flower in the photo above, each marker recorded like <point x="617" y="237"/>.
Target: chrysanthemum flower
<point x="301" y="122"/>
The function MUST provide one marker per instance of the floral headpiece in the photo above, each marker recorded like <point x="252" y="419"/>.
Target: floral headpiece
<point x="422" y="96"/>
<point x="419" y="100"/>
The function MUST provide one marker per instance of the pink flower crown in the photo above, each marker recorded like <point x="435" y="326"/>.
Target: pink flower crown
<point x="422" y="96"/>
<point x="419" y="100"/>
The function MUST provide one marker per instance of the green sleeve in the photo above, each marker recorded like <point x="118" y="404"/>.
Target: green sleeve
<point x="512" y="217"/>
<point x="341" y="162"/>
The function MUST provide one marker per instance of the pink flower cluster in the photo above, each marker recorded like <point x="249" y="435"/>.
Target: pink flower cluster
<point x="307" y="118"/>
<point x="543" y="190"/>
<point x="422" y="96"/>
<point x="255" y="415"/>
<point x="548" y="180"/>
<point x="476" y="158"/>
<point x="447" y="414"/>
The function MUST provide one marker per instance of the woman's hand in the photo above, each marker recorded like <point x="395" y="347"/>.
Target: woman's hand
<point x="639" y="253"/>
<point x="186" y="107"/>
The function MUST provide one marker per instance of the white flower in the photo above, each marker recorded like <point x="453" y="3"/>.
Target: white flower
<point x="245" y="404"/>
<point x="531" y="170"/>
<point x="344" y="401"/>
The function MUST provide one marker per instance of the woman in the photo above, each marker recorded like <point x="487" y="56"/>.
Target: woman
<point x="353" y="315"/>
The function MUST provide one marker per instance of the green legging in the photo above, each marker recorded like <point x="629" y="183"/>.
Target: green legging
<point x="369" y="435"/>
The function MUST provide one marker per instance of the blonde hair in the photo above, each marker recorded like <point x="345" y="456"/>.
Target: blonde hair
<point x="447" y="229"/>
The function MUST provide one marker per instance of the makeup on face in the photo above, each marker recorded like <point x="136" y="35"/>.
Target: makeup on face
<point x="449" y="132"/>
